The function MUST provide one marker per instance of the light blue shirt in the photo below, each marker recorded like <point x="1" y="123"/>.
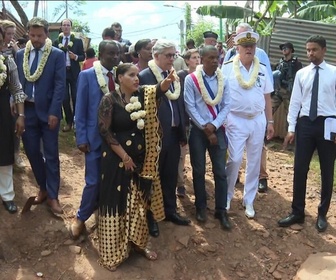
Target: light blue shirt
<point x="262" y="56"/>
<point x="196" y="107"/>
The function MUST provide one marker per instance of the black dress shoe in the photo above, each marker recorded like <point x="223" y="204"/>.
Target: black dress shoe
<point x="291" y="220"/>
<point x="201" y="215"/>
<point x="153" y="226"/>
<point x="321" y="223"/>
<point x="10" y="206"/>
<point x="223" y="219"/>
<point x="262" y="187"/>
<point x="177" y="219"/>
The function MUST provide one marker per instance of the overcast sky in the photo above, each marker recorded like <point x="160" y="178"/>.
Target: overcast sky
<point x="139" y="19"/>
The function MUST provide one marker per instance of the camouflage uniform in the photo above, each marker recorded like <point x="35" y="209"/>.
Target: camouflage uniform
<point x="283" y="82"/>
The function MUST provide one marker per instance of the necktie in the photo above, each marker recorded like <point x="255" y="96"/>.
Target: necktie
<point x="33" y="67"/>
<point x="66" y="42"/>
<point x="314" y="96"/>
<point x="173" y="103"/>
<point x="111" y="84"/>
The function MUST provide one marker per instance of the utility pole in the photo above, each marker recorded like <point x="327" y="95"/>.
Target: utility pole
<point x="220" y="25"/>
<point x="181" y="27"/>
<point x="66" y="9"/>
<point x="36" y="4"/>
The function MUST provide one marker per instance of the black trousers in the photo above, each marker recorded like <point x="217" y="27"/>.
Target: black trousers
<point x="310" y="136"/>
<point x="70" y="94"/>
<point x="168" y="169"/>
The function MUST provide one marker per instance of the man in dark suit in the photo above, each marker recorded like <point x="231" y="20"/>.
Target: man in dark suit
<point x="41" y="70"/>
<point x="74" y="53"/>
<point x="172" y="123"/>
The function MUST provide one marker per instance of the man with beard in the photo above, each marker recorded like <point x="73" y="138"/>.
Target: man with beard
<point x="207" y="104"/>
<point x="311" y="106"/>
<point x="171" y="117"/>
<point x="93" y="83"/>
<point x="41" y="70"/>
<point x="251" y="109"/>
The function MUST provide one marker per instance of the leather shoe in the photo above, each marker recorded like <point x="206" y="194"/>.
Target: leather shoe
<point x="40" y="198"/>
<point x="321" y="223"/>
<point x="291" y="220"/>
<point x="262" y="187"/>
<point x="153" y="226"/>
<point x="177" y="219"/>
<point x="55" y="206"/>
<point x="76" y="228"/>
<point x="10" y="206"/>
<point x="223" y="219"/>
<point x="201" y="215"/>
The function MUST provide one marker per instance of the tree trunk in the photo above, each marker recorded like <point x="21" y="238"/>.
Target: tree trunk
<point x="20" y="11"/>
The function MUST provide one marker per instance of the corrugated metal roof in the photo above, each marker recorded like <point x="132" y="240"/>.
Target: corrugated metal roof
<point x="297" y="31"/>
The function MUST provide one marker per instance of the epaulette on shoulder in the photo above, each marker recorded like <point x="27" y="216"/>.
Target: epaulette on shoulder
<point x="227" y="62"/>
<point x="262" y="64"/>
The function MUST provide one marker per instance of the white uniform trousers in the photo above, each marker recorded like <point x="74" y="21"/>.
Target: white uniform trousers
<point x="243" y="132"/>
<point x="6" y="183"/>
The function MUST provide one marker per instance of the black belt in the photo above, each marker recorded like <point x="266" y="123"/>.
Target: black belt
<point x="29" y="104"/>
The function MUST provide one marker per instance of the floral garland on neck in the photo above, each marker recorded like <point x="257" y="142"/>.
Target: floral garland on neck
<point x="136" y="114"/>
<point x="26" y="69"/>
<point x="177" y="87"/>
<point x="204" y="92"/>
<point x="3" y="71"/>
<point x="100" y="77"/>
<point x="70" y="43"/>
<point x="254" y="75"/>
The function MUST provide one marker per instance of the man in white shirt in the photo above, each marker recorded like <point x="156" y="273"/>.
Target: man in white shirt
<point x="251" y="109"/>
<point x="312" y="101"/>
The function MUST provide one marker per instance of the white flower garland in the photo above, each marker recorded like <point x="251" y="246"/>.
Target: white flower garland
<point x="100" y="77"/>
<point x="70" y="44"/>
<point x="136" y="114"/>
<point x="204" y="92"/>
<point x="177" y="87"/>
<point x="254" y="75"/>
<point x="3" y="71"/>
<point x="43" y="61"/>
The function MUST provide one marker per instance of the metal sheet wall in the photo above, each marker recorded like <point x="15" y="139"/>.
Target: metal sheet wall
<point x="297" y="32"/>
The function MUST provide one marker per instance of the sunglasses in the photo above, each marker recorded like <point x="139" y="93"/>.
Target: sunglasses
<point x="285" y="48"/>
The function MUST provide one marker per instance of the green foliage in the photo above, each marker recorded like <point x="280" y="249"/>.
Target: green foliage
<point x="196" y="33"/>
<point x="79" y="26"/>
<point x="73" y="6"/>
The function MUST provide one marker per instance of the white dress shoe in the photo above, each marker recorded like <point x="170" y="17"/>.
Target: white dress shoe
<point x="249" y="211"/>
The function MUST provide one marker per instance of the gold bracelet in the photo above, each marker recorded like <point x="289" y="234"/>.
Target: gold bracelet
<point x="129" y="159"/>
<point x="124" y="157"/>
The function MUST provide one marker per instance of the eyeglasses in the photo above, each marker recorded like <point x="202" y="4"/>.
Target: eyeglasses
<point x="284" y="48"/>
<point x="170" y="55"/>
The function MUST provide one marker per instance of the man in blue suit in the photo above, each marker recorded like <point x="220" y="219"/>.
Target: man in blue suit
<point x="74" y="53"/>
<point x="41" y="70"/>
<point x="171" y="117"/>
<point x="90" y="91"/>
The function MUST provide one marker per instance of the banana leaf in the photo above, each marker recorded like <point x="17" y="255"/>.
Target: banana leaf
<point x="222" y="11"/>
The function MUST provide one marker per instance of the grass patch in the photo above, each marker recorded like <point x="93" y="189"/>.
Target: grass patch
<point x="66" y="140"/>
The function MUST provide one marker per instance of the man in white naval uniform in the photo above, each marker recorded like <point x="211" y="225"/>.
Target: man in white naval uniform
<point x="251" y="108"/>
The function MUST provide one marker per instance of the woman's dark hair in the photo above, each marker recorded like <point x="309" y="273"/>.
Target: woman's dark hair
<point x="122" y="69"/>
<point x="90" y="53"/>
<point x="140" y="45"/>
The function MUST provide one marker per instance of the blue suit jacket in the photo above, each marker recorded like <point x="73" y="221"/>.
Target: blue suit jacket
<point x="50" y="87"/>
<point x="88" y="100"/>
<point x="147" y="77"/>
